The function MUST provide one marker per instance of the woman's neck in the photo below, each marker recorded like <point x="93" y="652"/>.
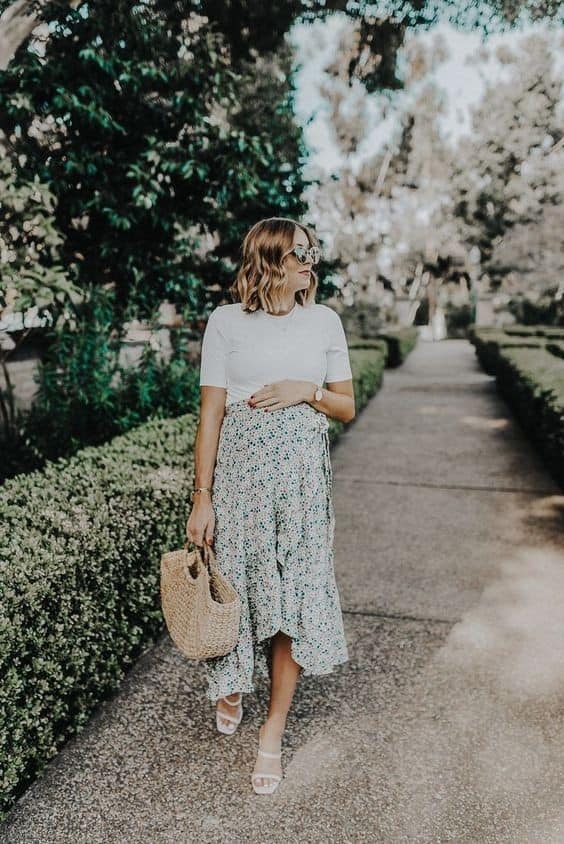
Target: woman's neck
<point x="285" y="308"/>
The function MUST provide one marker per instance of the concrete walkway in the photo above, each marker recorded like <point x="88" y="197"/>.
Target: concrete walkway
<point x="447" y="724"/>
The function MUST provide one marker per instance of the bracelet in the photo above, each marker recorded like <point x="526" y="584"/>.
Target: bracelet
<point x="199" y="489"/>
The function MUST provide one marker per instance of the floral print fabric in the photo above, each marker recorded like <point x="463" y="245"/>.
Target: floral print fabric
<point x="274" y="529"/>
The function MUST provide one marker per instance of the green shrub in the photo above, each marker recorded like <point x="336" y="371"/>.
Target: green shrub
<point x="546" y="310"/>
<point x="556" y="349"/>
<point x="529" y="372"/>
<point x="152" y="165"/>
<point x="80" y="554"/>
<point x="532" y="380"/>
<point x="458" y="318"/>
<point x="400" y="342"/>
<point x="86" y="397"/>
<point x="79" y="596"/>
<point x="355" y="342"/>
<point x="535" y="331"/>
<point x="488" y="344"/>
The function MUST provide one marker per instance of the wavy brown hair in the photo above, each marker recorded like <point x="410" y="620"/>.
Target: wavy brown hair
<point x="260" y="280"/>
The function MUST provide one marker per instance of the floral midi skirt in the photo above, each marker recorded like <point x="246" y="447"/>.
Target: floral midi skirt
<point x="273" y="539"/>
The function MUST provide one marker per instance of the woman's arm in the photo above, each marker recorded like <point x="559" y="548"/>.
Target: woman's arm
<point x="212" y="411"/>
<point x="201" y="523"/>
<point x="337" y="400"/>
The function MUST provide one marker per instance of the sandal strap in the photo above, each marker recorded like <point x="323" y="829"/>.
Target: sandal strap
<point x="232" y="718"/>
<point x="269" y="754"/>
<point x="233" y="702"/>
<point x="275" y="777"/>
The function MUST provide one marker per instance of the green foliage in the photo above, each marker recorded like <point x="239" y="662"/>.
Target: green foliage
<point x="545" y="331"/>
<point x="529" y="372"/>
<point x="136" y="122"/>
<point x="546" y="309"/>
<point x="86" y="394"/>
<point x="32" y="275"/>
<point x="396" y="344"/>
<point x="79" y="586"/>
<point x="29" y="240"/>
<point x="367" y="363"/>
<point x="76" y="402"/>
<point x="80" y="577"/>
<point x="400" y="342"/>
<point x="458" y="318"/>
<point x="249" y="27"/>
<point x="489" y="340"/>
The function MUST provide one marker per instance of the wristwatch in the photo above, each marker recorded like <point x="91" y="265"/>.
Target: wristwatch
<point x="318" y="395"/>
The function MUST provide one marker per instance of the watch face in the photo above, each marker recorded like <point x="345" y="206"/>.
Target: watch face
<point x="318" y="395"/>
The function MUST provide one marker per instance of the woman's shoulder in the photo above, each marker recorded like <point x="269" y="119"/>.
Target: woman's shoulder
<point x="325" y="312"/>
<point x="323" y="308"/>
<point x="225" y="313"/>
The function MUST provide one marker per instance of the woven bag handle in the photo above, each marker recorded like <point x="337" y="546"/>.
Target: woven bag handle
<point x="206" y="552"/>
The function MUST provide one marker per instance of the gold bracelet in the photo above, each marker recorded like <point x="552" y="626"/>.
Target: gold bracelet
<point x="199" y="489"/>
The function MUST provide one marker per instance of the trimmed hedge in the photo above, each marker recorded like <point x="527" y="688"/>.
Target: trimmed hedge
<point x="79" y="587"/>
<point x="488" y="344"/>
<point x="549" y="331"/>
<point x="399" y="343"/>
<point x="80" y="579"/>
<point x="530" y="376"/>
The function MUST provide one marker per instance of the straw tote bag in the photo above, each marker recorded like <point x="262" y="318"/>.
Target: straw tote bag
<point x="200" y="606"/>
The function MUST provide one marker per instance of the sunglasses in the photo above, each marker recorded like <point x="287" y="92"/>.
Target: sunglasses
<point x="302" y="254"/>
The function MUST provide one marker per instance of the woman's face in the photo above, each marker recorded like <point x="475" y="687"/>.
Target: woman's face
<point x="298" y="275"/>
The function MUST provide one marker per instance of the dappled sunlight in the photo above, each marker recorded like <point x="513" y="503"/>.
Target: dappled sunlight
<point x="488" y="748"/>
<point x="483" y="423"/>
<point x="435" y="410"/>
<point x="313" y="762"/>
<point x="480" y="422"/>
<point x="547" y="507"/>
<point x="514" y="636"/>
<point x="544" y="513"/>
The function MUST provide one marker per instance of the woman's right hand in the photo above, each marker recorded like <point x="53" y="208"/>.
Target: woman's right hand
<point x="201" y="521"/>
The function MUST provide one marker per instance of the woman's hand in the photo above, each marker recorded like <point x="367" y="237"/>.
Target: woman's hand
<point x="281" y="394"/>
<point x="201" y="522"/>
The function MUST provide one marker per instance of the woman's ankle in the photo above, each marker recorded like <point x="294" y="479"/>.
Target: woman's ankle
<point x="275" y="724"/>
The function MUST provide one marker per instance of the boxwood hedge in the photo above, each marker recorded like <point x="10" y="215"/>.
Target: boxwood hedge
<point x="529" y="369"/>
<point x="400" y="343"/>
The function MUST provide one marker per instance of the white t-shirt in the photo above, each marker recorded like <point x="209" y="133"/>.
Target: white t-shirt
<point x="244" y="351"/>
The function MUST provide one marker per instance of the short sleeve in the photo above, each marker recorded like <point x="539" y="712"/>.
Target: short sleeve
<point x="338" y="362"/>
<point x="214" y="351"/>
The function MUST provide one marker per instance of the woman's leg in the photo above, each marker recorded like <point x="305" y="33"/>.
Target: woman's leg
<point x="284" y="673"/>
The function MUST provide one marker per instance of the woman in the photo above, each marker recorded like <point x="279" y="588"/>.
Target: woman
<point x="262" y="437"/>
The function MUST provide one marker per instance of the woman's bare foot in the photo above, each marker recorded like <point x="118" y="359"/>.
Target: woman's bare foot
<point x="229" y="709"/>
<point x="270" y="738"/>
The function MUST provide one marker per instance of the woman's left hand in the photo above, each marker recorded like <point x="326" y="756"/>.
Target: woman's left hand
<point x="281" y="394"/>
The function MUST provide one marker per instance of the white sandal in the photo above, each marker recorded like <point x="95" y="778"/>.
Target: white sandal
<point x="235" y="720"/>
<point x="271" y="787"/>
